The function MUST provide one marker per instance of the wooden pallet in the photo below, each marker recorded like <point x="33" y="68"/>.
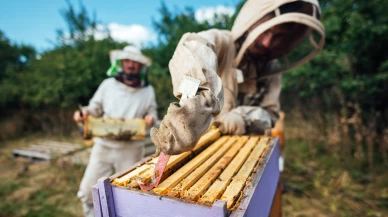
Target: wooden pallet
<point x="46" y="150"/>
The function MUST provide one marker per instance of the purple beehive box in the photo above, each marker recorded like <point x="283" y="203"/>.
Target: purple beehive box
<point x="110" y="201"/>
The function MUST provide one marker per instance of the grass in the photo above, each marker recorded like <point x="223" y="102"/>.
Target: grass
<point x="45" y="189"/>
<point x="320" y="184"/>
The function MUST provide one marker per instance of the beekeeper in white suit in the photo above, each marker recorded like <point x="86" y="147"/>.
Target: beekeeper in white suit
<point x="239" y="71"/>
<point x="125" y="95"/>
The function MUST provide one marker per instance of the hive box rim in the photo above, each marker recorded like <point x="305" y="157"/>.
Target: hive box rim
<point x="105" y="194"/>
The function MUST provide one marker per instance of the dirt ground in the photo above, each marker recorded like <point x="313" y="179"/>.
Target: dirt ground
<point x="315" y="185"/>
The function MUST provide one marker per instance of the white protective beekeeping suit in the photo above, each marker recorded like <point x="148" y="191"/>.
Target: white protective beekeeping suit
<point x="211" y="56"/>
<point x="113" y="99"/>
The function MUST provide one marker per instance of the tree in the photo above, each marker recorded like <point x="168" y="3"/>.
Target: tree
<point x="70" y="73"/>
<point x="354" y="58"/>
<point x="14" y="61"/>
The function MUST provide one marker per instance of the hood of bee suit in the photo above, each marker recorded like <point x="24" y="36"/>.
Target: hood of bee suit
<point x="129" y="52"/>
<point x="254" y="10"/>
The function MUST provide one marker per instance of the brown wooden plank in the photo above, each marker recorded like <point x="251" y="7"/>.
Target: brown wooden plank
<point x="199" y="170"/>
<point x="31" y="154"/>
<point x="219" y="186"/>
<point x="234" y="189"/>
<point x="207" y="138"/>
<point x="193" y="193"/>
<point x="52" y="150"/>
<point x="127" y="178"/>
<point x="59" y="144"/>
<point x="276" y="209"/>
<point x="176" y="177"/>
<point x="34" y="149"/>
<point x="54" y="146"/>
<point x="50" y="147"/>
<point x="174" y="160"/>
<point x="42" y="151"/>
<point x="145" y="177"/>
<point x="146" y="160"/>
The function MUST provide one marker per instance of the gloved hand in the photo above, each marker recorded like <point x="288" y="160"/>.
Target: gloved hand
<point x="182" y="126"/>
<point x="231" y="123"/>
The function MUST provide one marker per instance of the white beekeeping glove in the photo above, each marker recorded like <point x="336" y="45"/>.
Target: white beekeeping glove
<point x="182" y="126"/>
<point x="231" y="123"/>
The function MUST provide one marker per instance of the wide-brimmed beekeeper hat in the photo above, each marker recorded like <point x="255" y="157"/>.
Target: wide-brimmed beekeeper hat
<point x="129" y="52"/>
<point x="254" y="10"/>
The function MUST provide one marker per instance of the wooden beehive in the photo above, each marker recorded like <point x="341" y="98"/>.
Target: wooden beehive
<point x="222" y="176"/>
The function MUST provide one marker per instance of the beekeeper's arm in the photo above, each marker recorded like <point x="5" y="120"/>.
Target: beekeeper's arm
<point x="151" y="113"/>
<point x="95" y="107"/>
<point x="254" y="119"/>
<point x="184" y="123"/>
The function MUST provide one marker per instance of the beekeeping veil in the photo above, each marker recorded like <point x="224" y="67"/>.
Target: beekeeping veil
<point x="254" y="10"/>
<point x="129" y="52"/>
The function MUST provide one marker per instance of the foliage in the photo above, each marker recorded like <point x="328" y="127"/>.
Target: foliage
<point x="14" y="59"/>
<point x="354" y="58"/>
<point x="68" y="74"/>
<point x="348" y="81"/>
<point x="62" y="77"/>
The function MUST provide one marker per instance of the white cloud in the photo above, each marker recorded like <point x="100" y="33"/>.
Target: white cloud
<point x="134" y="33"/>
<point x="100" y="32"/>
<point x="207" y="13"/>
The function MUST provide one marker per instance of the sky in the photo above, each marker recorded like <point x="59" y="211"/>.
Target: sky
<point x="35" y="22"/>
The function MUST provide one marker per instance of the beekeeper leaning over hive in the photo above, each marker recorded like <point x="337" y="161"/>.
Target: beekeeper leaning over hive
<point x="126" y="95"/>
<point x="239" y="70"/>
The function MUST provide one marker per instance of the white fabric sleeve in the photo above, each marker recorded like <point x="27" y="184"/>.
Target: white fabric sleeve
<point x="152" y="108"/>
<point x="95" y="107"/>
<point x="270" y="101"/>
<point x="196" y="56"/>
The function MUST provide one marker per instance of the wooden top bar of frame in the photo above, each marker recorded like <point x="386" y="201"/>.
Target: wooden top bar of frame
<point x="219" y="186"/>
<point x="207" y="138"/>
<point x="193" y="193"/>
<point x="233" y="191"/>
<point x="145" y="171"/>
<point x="175" y="178"/>
<point x="178" y="190"/>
